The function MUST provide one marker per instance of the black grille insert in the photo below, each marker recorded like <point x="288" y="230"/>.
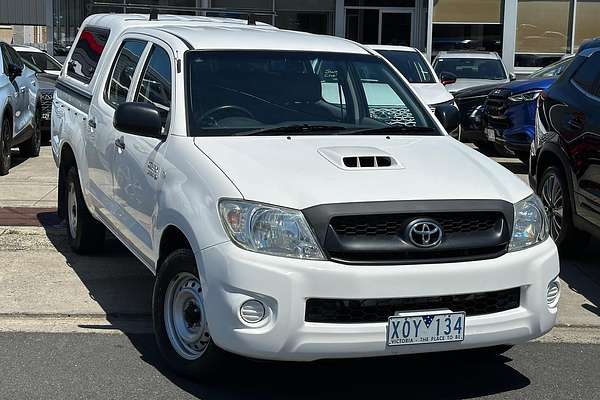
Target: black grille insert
<point x="379" y="310"/>
<point x="384" y="238"/>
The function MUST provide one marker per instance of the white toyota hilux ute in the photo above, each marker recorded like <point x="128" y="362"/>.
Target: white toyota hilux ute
<point x="293" y="195"/>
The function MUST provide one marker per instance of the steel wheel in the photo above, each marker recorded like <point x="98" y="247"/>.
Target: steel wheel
<point x="552" y="197"/>
<point x="185" y="316"/>
<point x="72" y="209"/>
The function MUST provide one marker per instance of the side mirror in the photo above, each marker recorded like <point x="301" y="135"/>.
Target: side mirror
<point x="141" y="119"/>
<point x="447" y="78"/>
<point x="512" y="76"/>
<point x="449" y="117"/>
<point x="14" y="70"/>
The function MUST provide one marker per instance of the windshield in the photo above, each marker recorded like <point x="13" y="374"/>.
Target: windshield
<point x="552" y="70"/>
<point x="241" y="92"/>
<point x="471" y="68"/>
<point x="40" y="60"/>
<point x="410" y="64"/>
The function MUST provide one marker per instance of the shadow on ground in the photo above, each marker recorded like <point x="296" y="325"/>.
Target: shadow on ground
<point x="122" y="286"/>
<point x="582" y="273"/>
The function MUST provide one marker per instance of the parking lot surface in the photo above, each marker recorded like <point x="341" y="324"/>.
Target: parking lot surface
<point x="69" y="323"/>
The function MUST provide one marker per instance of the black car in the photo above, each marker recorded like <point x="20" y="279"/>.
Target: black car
<point x="470" y="102"/>
<point x="565" y="154"/>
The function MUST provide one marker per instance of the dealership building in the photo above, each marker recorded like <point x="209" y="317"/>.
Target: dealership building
<point x="526" y="33"/>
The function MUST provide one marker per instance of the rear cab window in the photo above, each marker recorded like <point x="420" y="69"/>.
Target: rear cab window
<point x="123" y="70"/>
<point x="86" y="55"/>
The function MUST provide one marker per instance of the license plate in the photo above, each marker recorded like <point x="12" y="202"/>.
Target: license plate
<point x="46" y="116"/>
<point x="491" y="134"/>
<point x="426" y="328"/>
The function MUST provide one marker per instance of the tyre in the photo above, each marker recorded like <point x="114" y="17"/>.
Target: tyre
<point x="179" y="316"/>
<point x="5" y="146"/>
<point x="31" y="147"/>
<point x="554" y="192"/>
<point x="84" y="232"/>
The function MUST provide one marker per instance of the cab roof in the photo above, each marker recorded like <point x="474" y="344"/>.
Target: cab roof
<point x="211" y="33"/>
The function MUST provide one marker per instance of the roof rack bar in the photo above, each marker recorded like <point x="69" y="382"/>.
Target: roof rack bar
<point x="227" y="11"/>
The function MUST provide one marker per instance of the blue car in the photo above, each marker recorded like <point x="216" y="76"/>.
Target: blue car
<point x="509" y="112"/>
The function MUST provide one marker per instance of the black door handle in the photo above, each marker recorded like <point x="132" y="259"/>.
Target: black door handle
<point x="92" y="123"/>
<point x="120" y="143"/>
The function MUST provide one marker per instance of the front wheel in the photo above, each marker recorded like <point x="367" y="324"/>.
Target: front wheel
<point x="31" y="147"/>
<point x="179" y="315"/>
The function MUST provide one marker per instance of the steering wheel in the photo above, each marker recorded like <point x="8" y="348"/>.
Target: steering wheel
<point x="226" y="108"/>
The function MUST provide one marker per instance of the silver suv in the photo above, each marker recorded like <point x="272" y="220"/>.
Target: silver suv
<point x="18" y="100"/>
<point x="461" y="69"/>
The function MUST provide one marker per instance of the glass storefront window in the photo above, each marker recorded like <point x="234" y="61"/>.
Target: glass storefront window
<point x="477" y="11"/>
<point x="487" y="37"/>
<point x="586" y="24"/>
<point x="543" y="26"/>
<point x="306" y="21"/>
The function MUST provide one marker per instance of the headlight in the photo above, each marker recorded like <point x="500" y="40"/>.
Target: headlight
<point x="269" y="229"/>
<point x="530" y="225"/>
<point x="525" y="96"/>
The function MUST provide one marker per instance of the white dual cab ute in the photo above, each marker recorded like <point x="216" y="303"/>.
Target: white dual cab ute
<point x="293" y="195"/>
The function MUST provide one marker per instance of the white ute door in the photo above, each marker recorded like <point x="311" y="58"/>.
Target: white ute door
<point x="137" y="167"/>
<point x="101" y="148"/>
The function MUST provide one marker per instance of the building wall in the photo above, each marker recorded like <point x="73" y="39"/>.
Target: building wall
<point x="23" y="12"/>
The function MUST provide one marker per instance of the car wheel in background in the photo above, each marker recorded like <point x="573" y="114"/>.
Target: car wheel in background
<point x="554" y="192"/>
<point x="179" y="315"/>
<point x="5" y="146"/>
<point x="84" y="232"/>
<point x="31" y="147"/>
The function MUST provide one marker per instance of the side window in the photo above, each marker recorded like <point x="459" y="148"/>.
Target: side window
<point x="122" y="71"/>
<point x="5" y="58"/>
<point x="587" y="75"/>
<point x="155" y="84"/>
<point x="14" y="56"/>
<point x="87" y="53"/>
<point x="332" y="87"/>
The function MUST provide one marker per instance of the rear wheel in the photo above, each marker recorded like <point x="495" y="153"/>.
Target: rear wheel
<point x="84" y="232"/>
<point x="179" y="315"/>
<point x="31" y="147"/>
<point x="5" y="146"/>
<point x="554" y="192"/>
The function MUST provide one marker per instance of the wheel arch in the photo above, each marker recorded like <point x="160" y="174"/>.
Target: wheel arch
<point x="67" y="160"/>
<point x="552" y="156"/>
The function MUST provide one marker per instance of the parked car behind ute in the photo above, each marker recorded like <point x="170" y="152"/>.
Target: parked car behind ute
<point x="565" y="154"/>
<point x="18" y="99"/>
<point x="509" y="112"/>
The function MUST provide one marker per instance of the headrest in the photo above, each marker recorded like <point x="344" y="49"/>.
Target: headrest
<point x="301" y="87"/>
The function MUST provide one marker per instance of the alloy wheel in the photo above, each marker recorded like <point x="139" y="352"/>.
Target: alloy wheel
<point x="552" y="197"/>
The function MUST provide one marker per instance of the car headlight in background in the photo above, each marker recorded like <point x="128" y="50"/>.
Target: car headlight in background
<point x="530" y="224"/>
<point x="269" y="229"/>
<point x="525" y="96"/>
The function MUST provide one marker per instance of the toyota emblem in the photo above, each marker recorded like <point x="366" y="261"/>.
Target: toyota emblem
<point x="425" y="233"/>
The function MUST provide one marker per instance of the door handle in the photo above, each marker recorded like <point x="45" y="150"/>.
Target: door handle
<point x="22" y="90"/>
<point x="120" y="143"/>
<point x="92" y="123"/>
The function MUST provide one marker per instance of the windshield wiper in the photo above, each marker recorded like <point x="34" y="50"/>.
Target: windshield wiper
<point x="295" y="128"/>
<point x="391" y="129"/>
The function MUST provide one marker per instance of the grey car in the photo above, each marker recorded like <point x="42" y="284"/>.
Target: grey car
<point x="18" y="108"/>
<point x="462" y="69"/>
